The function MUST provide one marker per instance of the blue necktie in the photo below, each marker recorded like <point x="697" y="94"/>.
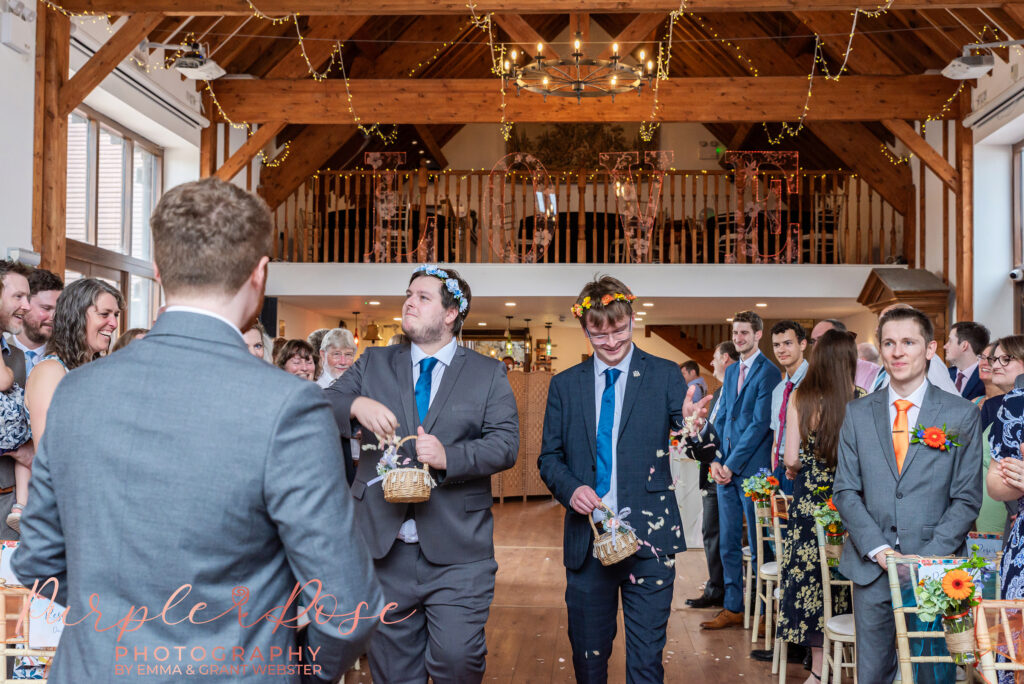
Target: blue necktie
<point x="30" y="360"/>
<point x="423" y="386"/>
<point x="604" y="432"/>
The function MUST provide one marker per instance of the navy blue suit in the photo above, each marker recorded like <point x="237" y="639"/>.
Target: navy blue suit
<point x="973" y="387"/>
<point x="652" y="406"/>
<point x="743" y="428"/>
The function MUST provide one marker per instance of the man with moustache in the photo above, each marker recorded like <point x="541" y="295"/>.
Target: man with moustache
<point x="14" y="295"/>
<point x="606" y="427"/>
<point x="435" y="559"/>
<point x="895" y="495"/>
<point x="44" y="288"/>
<point x="743" y="428"/>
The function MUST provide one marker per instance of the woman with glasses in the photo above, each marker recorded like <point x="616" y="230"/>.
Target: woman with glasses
<point x="995" y="517"/>
<point x="1005" y="480"/>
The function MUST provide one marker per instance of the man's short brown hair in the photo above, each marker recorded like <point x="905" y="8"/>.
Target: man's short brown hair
<point x="907" y="313"/>
<point x="599" y="314"/>
<point x="209" y="235"/>
<point x="756" y="324"/>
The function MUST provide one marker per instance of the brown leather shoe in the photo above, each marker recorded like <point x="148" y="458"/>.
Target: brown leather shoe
<point x="725" y="618"/>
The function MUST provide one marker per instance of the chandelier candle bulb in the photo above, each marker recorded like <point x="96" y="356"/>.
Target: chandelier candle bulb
<point x="615" y="49"/>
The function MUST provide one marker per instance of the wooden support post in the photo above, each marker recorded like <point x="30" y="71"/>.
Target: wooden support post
<point x="208" y="141"/>
<point x="244" y="154"/>
<point x="925" y="152"/>
<point x="910" y="231"/>
<point x="965" y="215"/>
<point x="50" y="153"/>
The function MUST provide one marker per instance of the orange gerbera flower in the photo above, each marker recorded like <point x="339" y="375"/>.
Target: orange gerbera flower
<point x="958" y="585"/>
<point x="773" y="481"/>
<point x="831" y="506"/>
<point x="934" y="437"/>
<point x="607" y="299"/>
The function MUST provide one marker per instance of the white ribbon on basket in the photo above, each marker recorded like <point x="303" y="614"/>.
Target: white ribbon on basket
<point x="389" y="459"/>
<point x="612" y="521"/>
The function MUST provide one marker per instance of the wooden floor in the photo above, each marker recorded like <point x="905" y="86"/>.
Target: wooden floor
<point x="526" y="633"/>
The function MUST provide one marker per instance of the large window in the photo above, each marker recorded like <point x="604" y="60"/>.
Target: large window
<point x="114" y="181"/>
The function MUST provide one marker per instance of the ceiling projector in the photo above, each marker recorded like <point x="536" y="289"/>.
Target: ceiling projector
<point x="969" y="66"/>
<point x="195" y="66"/>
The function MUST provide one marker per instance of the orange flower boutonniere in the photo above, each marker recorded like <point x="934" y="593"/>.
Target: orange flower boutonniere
<point x="934" y="437"/>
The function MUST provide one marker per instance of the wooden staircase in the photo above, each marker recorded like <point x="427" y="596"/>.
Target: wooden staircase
<point x="696" y="341"/>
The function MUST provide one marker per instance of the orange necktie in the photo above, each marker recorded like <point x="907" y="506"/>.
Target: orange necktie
<point x="900" y="432"/>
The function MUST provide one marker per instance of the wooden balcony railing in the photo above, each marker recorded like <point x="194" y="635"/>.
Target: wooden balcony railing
<point x="701" y="217"/>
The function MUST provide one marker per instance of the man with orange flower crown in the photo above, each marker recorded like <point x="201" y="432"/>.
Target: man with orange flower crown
<point x="606" y="433"/>
<point x="908" y="483"/>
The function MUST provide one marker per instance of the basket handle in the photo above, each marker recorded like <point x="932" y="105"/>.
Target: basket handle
<point x="426" y="468"/>
<point x="590" y="518"/>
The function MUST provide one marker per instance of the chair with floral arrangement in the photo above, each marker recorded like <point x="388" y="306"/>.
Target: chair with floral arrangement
<point x="946" y="588"/>
<point x="770" y="532"/>
<point x="1005" y="637"/>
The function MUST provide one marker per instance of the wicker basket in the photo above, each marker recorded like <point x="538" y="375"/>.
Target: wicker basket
<point x="959" y="632"/>
<point x="610" y="550"/>
<point x="408" y="485"/>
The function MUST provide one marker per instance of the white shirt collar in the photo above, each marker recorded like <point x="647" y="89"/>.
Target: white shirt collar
<point x="916" y="397"/>
<point x="38" y="350"/>
<point x="749" y="361"/>
<point x="600" y="366"/>
<point x="445" y="354"/>
<point x="204" y="312"/>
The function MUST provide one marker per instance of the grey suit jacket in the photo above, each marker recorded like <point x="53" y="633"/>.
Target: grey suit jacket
<point x="184" y="460"/>
<point x="473" y="414"/>
<point x="930" y="506"/>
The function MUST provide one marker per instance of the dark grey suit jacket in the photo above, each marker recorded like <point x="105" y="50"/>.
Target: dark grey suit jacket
<point x="474" y="415"/>
<point x="929" y="506"/>
<point x="182" y="459"/>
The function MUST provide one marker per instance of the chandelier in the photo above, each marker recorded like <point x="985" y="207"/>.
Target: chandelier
<point x="578" y="76"/>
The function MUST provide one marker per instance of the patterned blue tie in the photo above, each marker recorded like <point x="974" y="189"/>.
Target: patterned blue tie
<point x="30" y="361"/>
<point x="423" y="386"/>
<point x="604" y="432"/>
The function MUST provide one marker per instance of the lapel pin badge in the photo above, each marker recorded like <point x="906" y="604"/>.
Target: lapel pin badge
<point x="636" y="374"/>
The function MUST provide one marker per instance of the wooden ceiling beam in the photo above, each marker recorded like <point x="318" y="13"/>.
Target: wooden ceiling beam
<point x="925" y="152"/>
<point x="524" y="35"/>
<point x="858" y="148"/>
<point x="430" y="142"/>
<point x="833" y="28"/>
<point x="106" y="59"/>
<point x="706" y="100"/>
<point x="635" y="34"/>
<point x="928" y="34"/>
<point x="242" y="48"/>
<point x="319" y="41"/>
<point x="411" y="7"/>
<point x="308" y="152"/>
<point x="249" y="149"/>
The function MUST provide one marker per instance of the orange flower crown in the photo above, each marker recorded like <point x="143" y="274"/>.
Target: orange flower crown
<point x="578" y="310"/>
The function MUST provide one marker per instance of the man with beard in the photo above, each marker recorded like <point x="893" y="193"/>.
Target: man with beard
<point x="338" y="352"/>
<point x="14" y="294"/>
<point x="435" y="559"/>
<point x="44" y="288"/>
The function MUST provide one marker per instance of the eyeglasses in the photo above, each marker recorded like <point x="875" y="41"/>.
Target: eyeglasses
<point x="618" y="335"/>
<point x="1003" y="360"/>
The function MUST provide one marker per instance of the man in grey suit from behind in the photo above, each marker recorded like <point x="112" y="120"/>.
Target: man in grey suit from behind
<point x="184" y="461"/>
<point x="892" y="494"/>
<point x="437" y="557"/>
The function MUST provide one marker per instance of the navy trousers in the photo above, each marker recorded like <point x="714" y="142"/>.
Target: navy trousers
<point x="732" y="507"/>
<point x="592" y="597"/>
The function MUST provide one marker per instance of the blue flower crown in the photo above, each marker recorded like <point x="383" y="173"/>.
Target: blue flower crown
<point x="451" y="283"/>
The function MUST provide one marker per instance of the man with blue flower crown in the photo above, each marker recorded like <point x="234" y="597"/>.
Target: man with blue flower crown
<point x="435" y="559"/>
<point x="606" y="434"/>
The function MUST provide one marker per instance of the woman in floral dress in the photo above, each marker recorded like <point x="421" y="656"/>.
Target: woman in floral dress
<point x="818" y="407"/>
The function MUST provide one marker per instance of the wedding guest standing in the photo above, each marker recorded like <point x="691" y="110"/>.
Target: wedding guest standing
<point x="966" y="341"/>
<point x="714" y="589"/>
<point x="606" y="420"/>
<point x="896" y="493"/>
<point x="14" y="294"/>
<point x="44" y="288"/>
<point x="815" y="415"/>
<point x="743" y="428"/>
<point x="789" y="342"/>
<point x="1006" y="361"/>
<point x="85" y="320"/>
<point x="435" y="558"/>
<point x="297" y="357"/>
<point x="691" y="376"/>
<point x="338" y="352"/>
<point x="255" y="337"/>
<point x="189" y="462"/>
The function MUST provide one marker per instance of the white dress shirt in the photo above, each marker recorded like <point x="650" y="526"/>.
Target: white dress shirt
<point x="205" y="312"/>
<point x="407" y="532"/>
<point x="32" y="356"/>
<point x="916" y="398"/>
<point x="611" y="498"/>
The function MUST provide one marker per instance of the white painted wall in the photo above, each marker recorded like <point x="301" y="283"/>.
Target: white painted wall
<point x="299" y="322"/>
<point x="17" y="83"/>
<point x="993" y="242"/>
